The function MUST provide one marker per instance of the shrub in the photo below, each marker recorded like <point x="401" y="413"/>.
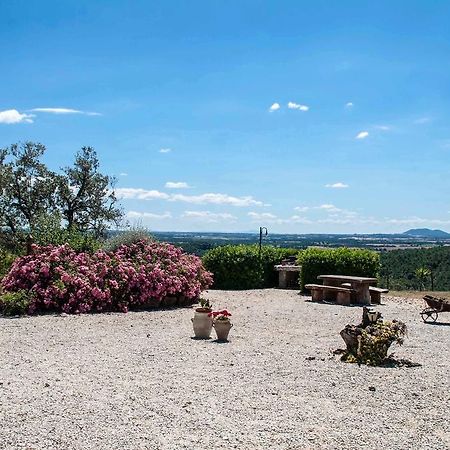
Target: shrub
<point x="134" y="276"/>
<point x="49" y="232"/>
<point x="374" y="342"/>
<point x="6" y="260"/>
<point x="241" y="267"/>
<point x="131" y="236"/>
<point x="14" y="303"/>
<point x="340" y="261"/>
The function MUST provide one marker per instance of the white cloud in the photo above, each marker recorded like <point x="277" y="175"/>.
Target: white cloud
<point x="302" y="208"/>
<point x="362" y="135"/>
<point x="209" y="198"/>
<point x="273" y="219"/>
<point x="64" y="111"/>
<point x="422" y="120"/>
<point x="349" y="105"/>
<point x="382" y="127"/>
<point x="13" y="116"/>
<point x="274" y="107"/>
<point x="209" y="216"/>
<point x="177" y="185"/>
<point x="328" y="207"/>
<point x="165" y="150"/>
<point x="338" y="185"/>
<point x="292" y="105"/>
<point x="140" y="194"/>
<point x="217" y="199"/>
<point x="299" y="219"/>
<point x="261" y="216"/>
<point x="123" y="174"/>
<point x="148" y="215"/>
<point x="417" y="221"/>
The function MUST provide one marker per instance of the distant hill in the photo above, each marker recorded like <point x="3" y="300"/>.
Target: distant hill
<point x="426" y="232"/>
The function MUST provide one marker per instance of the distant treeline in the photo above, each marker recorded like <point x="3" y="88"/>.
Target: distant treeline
<point x="424" y="268"/>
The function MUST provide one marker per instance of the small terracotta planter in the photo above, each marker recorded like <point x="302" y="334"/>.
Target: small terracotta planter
<point x="202" y="323"/>
<point x="222" y="328"/>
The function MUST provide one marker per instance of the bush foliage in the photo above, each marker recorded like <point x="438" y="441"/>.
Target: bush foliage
<point x="14" y="303"/>
<point x="6" y="260"/>
<point x="128" y="237"/>
<point x="241" y="267"/>
<point x="375" y="341"/>
<point x="340" y="261"/>
<point x="50" y="232"/>
<point x="139" y="275"/>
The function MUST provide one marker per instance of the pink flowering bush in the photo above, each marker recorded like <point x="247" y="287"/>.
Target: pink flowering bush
<point x="133" y="276"/>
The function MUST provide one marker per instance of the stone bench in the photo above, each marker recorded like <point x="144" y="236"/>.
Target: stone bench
<point x="319" y="293"/>
<point x="375" y="294"/>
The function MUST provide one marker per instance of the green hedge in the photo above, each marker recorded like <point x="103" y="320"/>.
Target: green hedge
<point x="340" y="261"/>
<point x="240" y="267"/>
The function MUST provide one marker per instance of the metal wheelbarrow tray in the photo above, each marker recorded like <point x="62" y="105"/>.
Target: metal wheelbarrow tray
<point x="435" y="307"/>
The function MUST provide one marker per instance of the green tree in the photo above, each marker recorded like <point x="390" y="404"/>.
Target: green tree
<point x="422" y="273"/>
<point x="26" y="187"/>
<point x="86" y="197"/>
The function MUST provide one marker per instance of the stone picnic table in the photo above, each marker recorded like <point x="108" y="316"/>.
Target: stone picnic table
<point x="359" y="284"/>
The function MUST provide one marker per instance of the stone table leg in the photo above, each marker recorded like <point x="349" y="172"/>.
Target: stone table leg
<point x="282" y="279"/>
<point x="362" y="294"/>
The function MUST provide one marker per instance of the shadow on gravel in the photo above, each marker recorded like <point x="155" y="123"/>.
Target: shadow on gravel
<point x="389" y="363"/>
<point x="394" y="362"/>
<point x="440" y="324"/>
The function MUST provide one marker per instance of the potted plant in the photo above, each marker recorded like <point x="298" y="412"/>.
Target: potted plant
<point x="204" y="306"/>
<point x="202" y="321"/>
<point x="222" y="324"/>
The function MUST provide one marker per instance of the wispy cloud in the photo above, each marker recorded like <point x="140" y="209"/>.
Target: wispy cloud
<point x="209" y="216"/>
<point x="349" y="105"/>
<point x="338" y="185"/>
<point x="148" y="215"/>
<point x="177" y="185"/>
<point x="328" y="207"/>
<point x="273" y="219"/>
<point x="261" y="216"/>
<point x="165" y="150"/>
<point x="422" y="120"/>
<point x="274" y="107"/>
<point x="382" y="127"/>
<point x="209" y="198"/>
<point x="216" y="199"/>
<point x="140" y="194"/>
<point x="123" y="174"/>
<point x="11" y="116"/>
<point x="292" y="105"/>
<point x="64" y="111"/>
<point x="362" y="135"/>
<point x="302" y="208"/>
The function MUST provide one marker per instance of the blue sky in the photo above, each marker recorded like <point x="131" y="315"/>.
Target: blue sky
<point x="301" y="116"/>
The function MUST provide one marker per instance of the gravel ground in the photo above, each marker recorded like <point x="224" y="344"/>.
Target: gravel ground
<point x="138" y="380"/>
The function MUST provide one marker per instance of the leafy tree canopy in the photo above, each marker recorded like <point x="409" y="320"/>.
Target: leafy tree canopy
<point x="81" y="195"/>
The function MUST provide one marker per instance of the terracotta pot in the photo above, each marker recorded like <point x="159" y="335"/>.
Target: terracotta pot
<point x="222" y="328"/>
<point x="203" y="310"/>
<point x="202" y="323"/>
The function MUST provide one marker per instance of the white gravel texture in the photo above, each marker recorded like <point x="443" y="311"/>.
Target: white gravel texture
<point x="139" y="381"/>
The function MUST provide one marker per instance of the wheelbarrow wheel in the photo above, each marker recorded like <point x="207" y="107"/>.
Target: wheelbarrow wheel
<point x="429" y="315"/>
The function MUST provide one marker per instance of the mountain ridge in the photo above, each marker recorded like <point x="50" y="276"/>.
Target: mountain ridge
<point x="427" y="232"/>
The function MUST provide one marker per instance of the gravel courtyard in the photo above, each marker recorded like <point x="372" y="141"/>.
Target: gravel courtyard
<point x="138" y="380"/>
